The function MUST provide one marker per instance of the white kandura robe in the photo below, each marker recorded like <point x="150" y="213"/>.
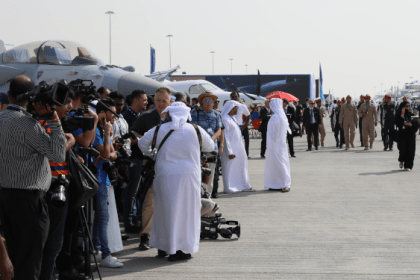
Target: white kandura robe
<point x="176" y="189"/>
<point x="277" y="166"/>
<point x="114" y="233"/>
<point x="235" y="171"/>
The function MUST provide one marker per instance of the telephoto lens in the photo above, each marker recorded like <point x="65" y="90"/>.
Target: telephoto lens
<point x="58" y="189"/>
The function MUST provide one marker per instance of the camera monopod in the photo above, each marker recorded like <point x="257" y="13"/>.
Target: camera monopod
<point x="85" y="214"/>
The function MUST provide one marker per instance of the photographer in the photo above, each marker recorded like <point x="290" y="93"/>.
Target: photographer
<point x="131" y="205"/>
<point x="103" y="144"/>
<point x="143" y="124"/>
<point x="69" y="256"/>
<point x="209" y="120"/>
<point x="25" y="177"/>
<point x="83" y="138"/>
<point x="57" y="214"/>
<point x="176" y="188"/>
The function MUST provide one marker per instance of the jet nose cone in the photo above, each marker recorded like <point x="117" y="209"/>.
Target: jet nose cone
<point x="132" y="81"/>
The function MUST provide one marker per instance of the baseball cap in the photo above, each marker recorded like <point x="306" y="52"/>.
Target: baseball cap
<point x="3" y="98"/>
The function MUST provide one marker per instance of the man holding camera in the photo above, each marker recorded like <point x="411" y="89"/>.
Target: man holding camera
<point x="208" y="119"/>
<point x="132" y="207"/>
<point x="57" y="214"/>
<point x="143" y="124"/>
<point x="25" y="146"/>
<point x="103" y="144"/>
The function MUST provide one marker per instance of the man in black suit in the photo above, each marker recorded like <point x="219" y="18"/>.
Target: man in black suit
<point x="298" y="116"/>
<point x="265" y="115"/>
<point x="291" y="116"/>
<point x="311" y="122"/>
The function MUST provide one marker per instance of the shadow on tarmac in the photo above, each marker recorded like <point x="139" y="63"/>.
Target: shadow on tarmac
<point x="381" y="173"/>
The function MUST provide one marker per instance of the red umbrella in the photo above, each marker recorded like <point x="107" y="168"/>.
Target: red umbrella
<point x="281" y="95"/>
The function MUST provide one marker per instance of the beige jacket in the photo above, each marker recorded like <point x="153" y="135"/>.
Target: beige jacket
<point x="348" y="116"/>
<point x="372" y="114"/>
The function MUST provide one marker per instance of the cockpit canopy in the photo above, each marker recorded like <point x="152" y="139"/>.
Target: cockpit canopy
<point x="51" y="52"/>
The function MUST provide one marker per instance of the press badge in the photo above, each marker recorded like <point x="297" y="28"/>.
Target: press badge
<point x="210" y="131"/>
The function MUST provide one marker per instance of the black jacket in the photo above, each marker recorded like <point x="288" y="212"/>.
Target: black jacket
<point x="299" y="112"/>
<point x="291" y="116"/>
<point x="307" y="118"/>
<point x="265" y="117"/>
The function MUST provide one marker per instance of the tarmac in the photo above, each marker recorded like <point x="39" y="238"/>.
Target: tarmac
<point x="349" y="215"/>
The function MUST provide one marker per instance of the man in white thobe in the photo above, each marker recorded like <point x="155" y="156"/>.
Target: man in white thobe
<point x="176" y="188"/>
<point x="234" y="158"/>
<point x="277" y="167"/>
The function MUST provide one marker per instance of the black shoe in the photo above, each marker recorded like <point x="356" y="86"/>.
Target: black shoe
<point x="162" y="254"/>
<point x="179" y="256"/>
<point x="214" y="195"/>
<point x="293" y="156"/>
<point x="390" y="149"/>
<point x="72" y="275"/>
<point x="144" y="243"/>
<point x="262" y="156"/>
<point x="124" y="237"/>
<point x="385" y="149"/>
<point x="316" y="148"/>
<point x="308" y="150"/>
<point x="336" y="144"/>
<point x="131" y="228"/>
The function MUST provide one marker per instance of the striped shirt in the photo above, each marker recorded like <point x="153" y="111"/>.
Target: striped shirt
<point x="56" y="168"/>
<point x="25" y="148"/>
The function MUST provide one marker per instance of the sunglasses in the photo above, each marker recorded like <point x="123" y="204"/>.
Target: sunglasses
<point x="407" y="106"/>
<point x="311" y="103"/>
<point x="209" y="100"/>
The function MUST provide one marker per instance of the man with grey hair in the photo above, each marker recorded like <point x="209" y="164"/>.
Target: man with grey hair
<point x="180" y="97"/>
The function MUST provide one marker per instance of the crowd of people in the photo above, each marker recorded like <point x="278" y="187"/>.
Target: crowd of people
<point x="164" y="138"/>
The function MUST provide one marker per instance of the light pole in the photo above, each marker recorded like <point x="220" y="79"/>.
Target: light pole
<point x="110" y="13"/>
<point x="231" y="60"/>
<point x="246" y="68"/>
<point x="212" y="62"/>
<point x="169" y="36"/>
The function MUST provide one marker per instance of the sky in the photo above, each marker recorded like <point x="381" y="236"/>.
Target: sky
<point x="360" y="44"/>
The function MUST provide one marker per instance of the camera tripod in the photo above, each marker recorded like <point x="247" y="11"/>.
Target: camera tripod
<point x="85" y="214"/>
<point x="87" y="239"/>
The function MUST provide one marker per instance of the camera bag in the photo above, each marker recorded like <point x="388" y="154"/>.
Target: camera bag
<point x="84" y="183"/>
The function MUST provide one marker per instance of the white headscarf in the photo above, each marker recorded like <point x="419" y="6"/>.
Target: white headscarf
<point x="180" y="114"/>
<point x="228" y="107"/>
<point x="276" y="105"/>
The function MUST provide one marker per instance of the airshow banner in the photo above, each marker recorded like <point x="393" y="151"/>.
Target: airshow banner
<point x="297" y="85"/>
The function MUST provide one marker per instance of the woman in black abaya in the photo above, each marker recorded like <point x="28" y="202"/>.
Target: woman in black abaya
<point x="406" y="136"/>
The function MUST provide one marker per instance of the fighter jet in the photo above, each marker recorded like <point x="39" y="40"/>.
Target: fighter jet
<point x="51" y="61"/>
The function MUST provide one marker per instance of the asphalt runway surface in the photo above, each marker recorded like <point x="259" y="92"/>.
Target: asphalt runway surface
<point x="349" y="215"/>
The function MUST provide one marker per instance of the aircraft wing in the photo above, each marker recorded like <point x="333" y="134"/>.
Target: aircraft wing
<point x="7" y="73"/>
<point x="160" y="76"/>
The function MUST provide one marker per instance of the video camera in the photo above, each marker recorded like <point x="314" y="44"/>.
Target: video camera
<point x="77" y="120"/>
<point x="148" y="174"/>
<point x="207" y="159"/>
<point x="55" y="94"/>
<point x="58" y="191"/>
<point x="211" y="227"/>
<point x="109" y="167"/>
<point x="84" y="88"/>
<point x="122" y="151"/>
